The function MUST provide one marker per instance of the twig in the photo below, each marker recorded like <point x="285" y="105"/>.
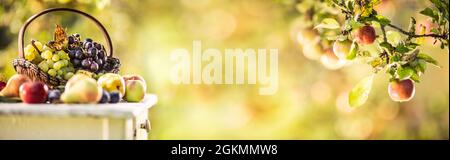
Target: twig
<point x="35" y="47"/>
<point x="417" y="36"/>
<point x="410" y="34"/>
<point x="383" y="30"/>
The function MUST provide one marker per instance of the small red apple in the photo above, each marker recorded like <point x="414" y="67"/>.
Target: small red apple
<point x="33" y="92"/>
<point x="366" y="35"/>
<point x="401" y="90"/>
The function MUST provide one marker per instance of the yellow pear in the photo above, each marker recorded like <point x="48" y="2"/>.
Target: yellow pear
<point x="12" y="86"/>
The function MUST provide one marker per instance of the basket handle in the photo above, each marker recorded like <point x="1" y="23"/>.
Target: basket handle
<point x="28" y="22"/>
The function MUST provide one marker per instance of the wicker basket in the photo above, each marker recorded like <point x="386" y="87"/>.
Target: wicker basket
<point x="31" y="70"/>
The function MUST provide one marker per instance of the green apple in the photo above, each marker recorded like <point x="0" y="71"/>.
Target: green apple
<point x="307" y="36"/>
<point x="313" y="51"/>
<point x="112" y="82"/>
<point x="331" y="61"/>
<point x="135" y="90"/>
<point x="345" y="50"/>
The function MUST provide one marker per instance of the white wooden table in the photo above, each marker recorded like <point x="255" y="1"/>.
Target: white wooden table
<point x="76" y="121"/>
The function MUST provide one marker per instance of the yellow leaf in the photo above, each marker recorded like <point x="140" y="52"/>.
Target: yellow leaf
<point x="59" y="39"/>
<point x="422" y="31"/>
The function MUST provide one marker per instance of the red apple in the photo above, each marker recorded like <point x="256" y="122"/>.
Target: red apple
<point x="366" y="35"/>
<point x="401" y="90"/>
<point x="33" y="92"/>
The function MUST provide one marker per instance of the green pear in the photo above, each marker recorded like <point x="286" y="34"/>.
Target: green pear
<point x="74" y="80"/>
<point x="81" y="89"/>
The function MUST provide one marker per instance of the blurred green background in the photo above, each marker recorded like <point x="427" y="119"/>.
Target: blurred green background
<point x="311" y="102"/>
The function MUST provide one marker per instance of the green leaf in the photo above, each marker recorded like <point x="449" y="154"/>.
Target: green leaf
<point x="375" y="62"/>
<point x="353" y="51"/>
<point x="415" y="77"/>
<point x="382" y="20"/>
<point x="376" y="24"/>
<point x="402" y="49"/>
<point x="428" y="59"/>
<point x="412" y="45"/>
<point x="421" y="66"/>
<point x="367" y="7"/>
<point x="393" y="37"/>
<point x="395" y="58"/>
<point x="339" y="37"/>
<point x="435" y="31"/>
<point x="360" y="93"/>
<point x="437" y="3"/>
<point x="350" y="5"/>
<point x="328" y="23"/>
<point x="441" y="5"/>
<point x="387" y="45"/>
<point x="430" y="13"/>
<point x="364" y="54"/>
<point x="404" y="72"/>
<point x="391" y="71"/>
<point x="347" y="25"/>
<point x="355" y="24"/>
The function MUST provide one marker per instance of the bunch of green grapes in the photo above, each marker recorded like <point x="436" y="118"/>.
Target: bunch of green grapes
<point x="55" y="63"/>
<point x="32" y="52"/>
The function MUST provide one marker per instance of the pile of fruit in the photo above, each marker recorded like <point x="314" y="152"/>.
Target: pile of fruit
<point x="85" y="66"/>
<point x="81" y="88"/>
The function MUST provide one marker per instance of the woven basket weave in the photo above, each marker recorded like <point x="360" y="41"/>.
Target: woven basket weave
<point x="31" y="70"/>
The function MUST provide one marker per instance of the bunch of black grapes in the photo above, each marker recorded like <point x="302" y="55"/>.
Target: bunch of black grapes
<point x="89" y="55"/>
